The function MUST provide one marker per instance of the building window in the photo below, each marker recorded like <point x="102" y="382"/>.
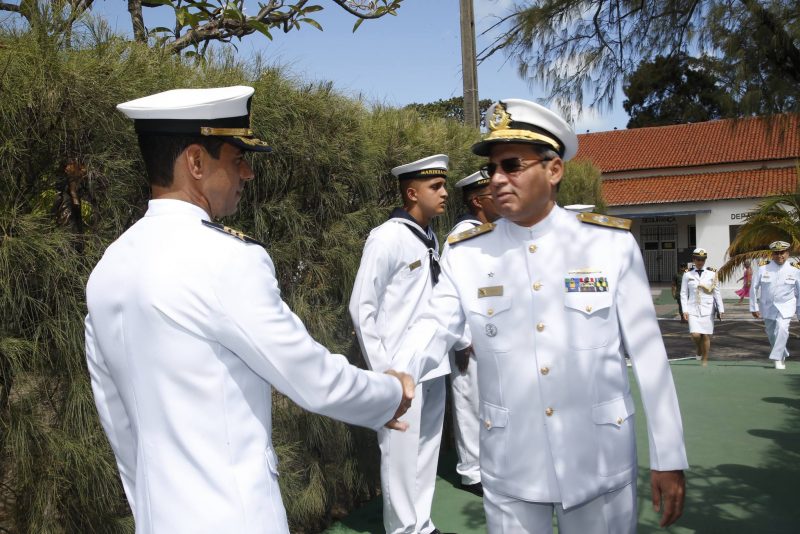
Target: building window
<point x="733" y="230"/>
<point x="692" y="237"/>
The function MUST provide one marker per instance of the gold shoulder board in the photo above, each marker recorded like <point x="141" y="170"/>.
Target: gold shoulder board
<point x="762" y="263"/>
<point x="233" y="232"/>
<point x="605" y="220"/>
<point x="713" y="270"/>
<point x="472" y="232"/>
<point x="796" y="265"/>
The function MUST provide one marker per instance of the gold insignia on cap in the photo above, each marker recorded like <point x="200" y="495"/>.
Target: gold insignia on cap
<point x="500" y="118"/>
<point x="491" y="291"/>
<point x="252" y="141"/>
<point x="472" y="232"/>
<point x="226" y="132"/>
<point x="605" y="220"/>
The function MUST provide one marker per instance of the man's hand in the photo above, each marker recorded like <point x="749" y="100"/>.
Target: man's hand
<point x="462" y="358"/>
<point x="405" y="403"/>
<point x="721" y="316"/>
<point x="685" y="316"/>
<point x="669" y="489"/>
<point x="757" y="315"/>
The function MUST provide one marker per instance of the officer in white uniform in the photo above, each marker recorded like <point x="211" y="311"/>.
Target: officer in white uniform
<point x="399" y="267"/>
<point x="477" y="198"/>
<point x="552" y="303"/>
<point x="777" y="285"/>
<point x="187" y="333"/>
<point x="699" y="297"/>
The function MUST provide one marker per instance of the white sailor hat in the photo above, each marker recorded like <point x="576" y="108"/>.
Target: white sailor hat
<point x="473" y="181"/>
<point x="430" y="167"/>
<point x="779" y="246"/>
<point x="700" y="253"/>
<point x="521" y="121"/>
<point x="219" y="112"/>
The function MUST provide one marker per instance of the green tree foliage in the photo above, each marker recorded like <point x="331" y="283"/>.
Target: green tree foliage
<point x="452" y="108"/>
<point x="198" y="23"/>
<point x="581" y="50"/>
<point x="71" y="181"/>
<point x="775" y="218"/>
<point x="581" y="184"/>
<point x="676" y="90"/>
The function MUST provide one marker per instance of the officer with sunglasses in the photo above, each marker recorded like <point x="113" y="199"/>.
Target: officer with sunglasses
<point x="553" y="300"/>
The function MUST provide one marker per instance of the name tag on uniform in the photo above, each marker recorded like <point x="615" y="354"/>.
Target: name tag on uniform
<point x="491" y="291"/>
<point x="586" y="284"/>
<point x="412" y="266"/>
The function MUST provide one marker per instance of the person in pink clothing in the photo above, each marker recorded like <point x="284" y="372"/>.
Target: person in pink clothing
<point x="746" y="278"/>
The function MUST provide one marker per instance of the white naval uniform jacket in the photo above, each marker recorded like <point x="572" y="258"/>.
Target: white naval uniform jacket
<point x="463" y="226"/>
<point x="556" y="404"/>
<point x="778" y="290"/>
<point x="391" y="289"/>
<point x="185" y="336"/>
<point x="699" y="292"/>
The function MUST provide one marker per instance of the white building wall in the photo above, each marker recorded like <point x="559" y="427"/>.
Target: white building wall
<point x="712" y="228"/>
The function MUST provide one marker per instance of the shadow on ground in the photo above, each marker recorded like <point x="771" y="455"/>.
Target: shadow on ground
<point x="743" y="499"/>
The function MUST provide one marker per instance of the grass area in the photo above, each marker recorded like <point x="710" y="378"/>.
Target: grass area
<point x="742" y="430"/>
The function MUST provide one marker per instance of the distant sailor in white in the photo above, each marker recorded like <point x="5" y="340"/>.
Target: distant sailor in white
<point x="187" y="333"/>
<point x="477" y="199"/>
<point x="775" y="297"/>
<point x="700" y="301"/>
<point x="399" y="267"/>
<point x="553" y="299"/>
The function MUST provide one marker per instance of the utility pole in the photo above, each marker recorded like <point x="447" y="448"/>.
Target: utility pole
<point x="469" y="67"/>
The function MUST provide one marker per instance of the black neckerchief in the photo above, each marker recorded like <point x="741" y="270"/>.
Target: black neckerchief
<point x="428" y="239"/>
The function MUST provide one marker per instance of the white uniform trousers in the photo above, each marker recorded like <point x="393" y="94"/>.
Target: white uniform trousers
<point x="610" y="513"/>
<point x="408" y="462"/>
<point x="466" y="419"/>
<point x="778" y="334"/>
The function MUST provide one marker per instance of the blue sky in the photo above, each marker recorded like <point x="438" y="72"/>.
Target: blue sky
<point x="413" y="57"/>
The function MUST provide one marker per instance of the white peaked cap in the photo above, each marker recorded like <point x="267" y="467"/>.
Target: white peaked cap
<point x="222" y="112"/>
<point x="191" y="104"/>
<point x="521" y="121"/>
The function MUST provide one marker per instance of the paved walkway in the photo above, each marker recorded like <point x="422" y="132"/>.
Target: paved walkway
<point x="742" y="428"/>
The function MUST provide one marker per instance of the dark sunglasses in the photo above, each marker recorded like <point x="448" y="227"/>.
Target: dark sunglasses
<point x="509" y="166"/>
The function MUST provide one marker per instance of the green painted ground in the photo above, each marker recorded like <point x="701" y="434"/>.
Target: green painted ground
<point x="742" y="429"/>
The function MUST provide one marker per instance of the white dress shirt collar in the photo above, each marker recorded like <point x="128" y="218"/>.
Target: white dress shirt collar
<point x="169" y="206"/>
<point x="551" y="222"/>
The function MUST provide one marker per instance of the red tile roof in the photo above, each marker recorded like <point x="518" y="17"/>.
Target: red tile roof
<point x="685" y="145"/>
<point x="699" y="187"/>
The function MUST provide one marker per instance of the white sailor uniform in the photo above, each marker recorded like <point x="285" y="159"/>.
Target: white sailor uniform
<point x="464" y="388"/>
<point x="185" y="337"/>
<point x="775" y="293"/>
<point x="699" y="294"/>
<point x="392" y="287"/>
<point x="551" y="309"/>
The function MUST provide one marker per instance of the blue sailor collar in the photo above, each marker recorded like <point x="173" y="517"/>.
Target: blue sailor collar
<point x="170" y="206"/>
<point x="402" y="216"/>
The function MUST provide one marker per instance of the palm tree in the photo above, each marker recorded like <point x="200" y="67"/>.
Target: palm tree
<point x="775" y="218"/>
